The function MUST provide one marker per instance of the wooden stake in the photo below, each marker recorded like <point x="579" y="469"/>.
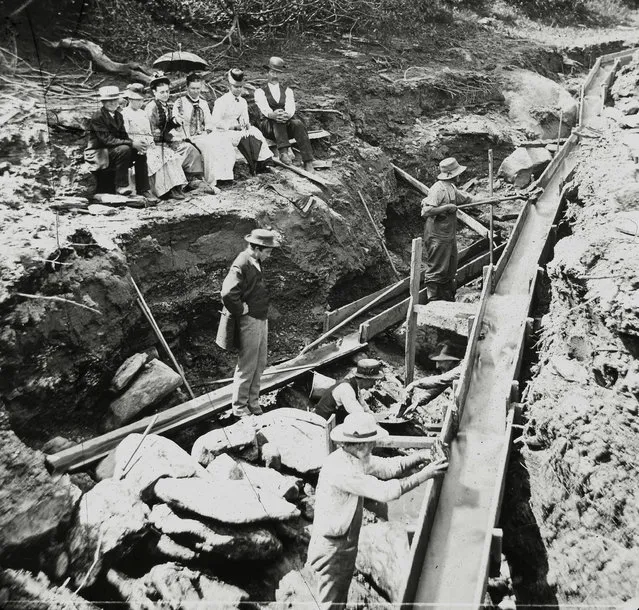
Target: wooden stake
<point x="491" y="226"/>
<point x="125" y="470"/>
<point x="561" y="122"/>
<point x="302" y="172"/>
<point x="360" y="311"/>
<point x="149" y="316"/>
<point x="379" y="235"/>
<point x="411" y="317"/>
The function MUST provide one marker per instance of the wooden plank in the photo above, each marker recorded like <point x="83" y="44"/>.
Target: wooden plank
<point x="411" y="319"/>
<point x="202" y="407"/>
<point x="563" y="152"/>
<point x="494" y="511"/>
<point x="379" y="323"/>
<point x="468" y="362"/>
<point x="512" y="242"/>
<point x="469" y="221"/>
<point x="333" y="318"/>
<point x="312" y="135"/>
<point x="624" y="56"/>
<point x="407" y="442"/>
<point x="302" y="172"/>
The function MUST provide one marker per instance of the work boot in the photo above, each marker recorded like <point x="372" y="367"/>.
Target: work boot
<point x="309" y="167"/>
<point x="123" y="190"/>
<point x="194" y="181"/>
<point x="287" y="156"/>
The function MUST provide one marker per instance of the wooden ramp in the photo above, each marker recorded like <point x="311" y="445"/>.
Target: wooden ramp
<point x="200" y="408"/>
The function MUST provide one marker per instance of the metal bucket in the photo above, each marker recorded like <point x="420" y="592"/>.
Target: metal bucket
<point x="321" y="383"/>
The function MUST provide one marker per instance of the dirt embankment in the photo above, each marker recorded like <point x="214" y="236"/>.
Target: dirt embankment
<point x="572" y="513"/>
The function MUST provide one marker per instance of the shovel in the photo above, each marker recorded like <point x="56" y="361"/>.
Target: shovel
<point x="532" y="197"/>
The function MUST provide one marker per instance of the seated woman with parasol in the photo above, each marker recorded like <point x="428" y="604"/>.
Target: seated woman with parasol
<point x="230" y="116"/>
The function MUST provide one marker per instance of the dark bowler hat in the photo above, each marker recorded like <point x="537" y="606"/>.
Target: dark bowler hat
<point x="369" y="368"/>
<point x="276" y="64"/>
<point x="262" y="237"/>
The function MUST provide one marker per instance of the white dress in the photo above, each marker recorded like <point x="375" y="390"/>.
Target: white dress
<point x="229" y="112"/>
<point x="215" y="146"/>
<point x="164" y="165"/>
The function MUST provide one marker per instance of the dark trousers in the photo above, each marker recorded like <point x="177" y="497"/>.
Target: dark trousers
<point x="120" y="159"/>
<point x="282" y="132"/>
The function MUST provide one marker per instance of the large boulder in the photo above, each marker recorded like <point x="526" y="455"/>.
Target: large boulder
<point x="142" y="465"/>
<point x="108" y="519"/>
<point x="383" y="555"/>
<point x="536" y="102"/>
<point x="209" y="538"/>
<point x="520" y="166"/>
<point x="225" y="468"/>
<point x="300" y="437"/>
<point x="226" y="501"/>
<point x="20" y="590"/>
<point x="34" y="506"/>
<point x="127" y="371"/>
<point x="171" y="585"/>
<point x="153" y="383"/>
<point x="238" y="438"/>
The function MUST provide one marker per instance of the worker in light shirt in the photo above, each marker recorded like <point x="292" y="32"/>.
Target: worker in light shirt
<point x="230" y="115"/>
<point x="276" y="104"/>
<point x="350" y="474"/>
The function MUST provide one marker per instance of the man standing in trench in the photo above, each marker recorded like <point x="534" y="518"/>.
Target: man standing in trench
<point x="350" y="474"/>
<point x="245" y="296"/>
<point x="439" y="209"/>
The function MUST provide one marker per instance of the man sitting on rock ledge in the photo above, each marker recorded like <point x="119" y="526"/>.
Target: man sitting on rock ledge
<point x="350" y="474"/>
<point x="106" y="131"/>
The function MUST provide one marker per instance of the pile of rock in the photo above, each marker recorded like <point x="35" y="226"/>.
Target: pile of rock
<point x="142" y="381"/>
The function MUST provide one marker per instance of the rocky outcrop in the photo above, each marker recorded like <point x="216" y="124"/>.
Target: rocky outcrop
<point x="234" y="502"/>
<point x="299" y="436"/>
<point x="225" y="468"/>
<point x="155" y="381"/>
<point x="127" y="371"/>
<point x="521" y="166"/>
<point x="213" y="539"/>
<point x="108" y="519"/>
<point x="238" y="439"/>
<point x="20" y="589"/>
<point x="383" y="555"/>
<point x="175" y="586"/>
<point x="142" y="465"/>
<point x="34" y="506"/>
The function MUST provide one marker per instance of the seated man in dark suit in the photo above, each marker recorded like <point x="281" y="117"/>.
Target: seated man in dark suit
<point x="276" y="104"/>
<point x="106" y="130"/>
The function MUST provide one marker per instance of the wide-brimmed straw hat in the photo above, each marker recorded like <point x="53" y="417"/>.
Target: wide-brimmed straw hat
<point x="358" y="428"/>
<point x="109" y="92"/>
<point x="368" y="368"/>
<point x="235" y="76"/>
<point x="447" y="351"/>
<point x="449" y="168"/>
<point x="159" y="78"/>
<point x="134" y="92"/>
<point x="276" y="64"/>
<point x="262" y="237"/>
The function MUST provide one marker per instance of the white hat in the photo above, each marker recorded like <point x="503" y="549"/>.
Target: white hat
<point x="108" y="92"/>
<point x="449" y="169"/>
<point x="358" y="428"/>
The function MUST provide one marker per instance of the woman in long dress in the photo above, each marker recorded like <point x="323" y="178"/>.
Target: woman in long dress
<point x="166" y="176"/>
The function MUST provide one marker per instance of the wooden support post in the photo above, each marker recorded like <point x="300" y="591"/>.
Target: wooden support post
<point x="495" y="552"/>
<point x="514" y="391"/>
<point x="491" y="237"/>
<point x="411" y="317"/>
<point x="561" y="121"/>
<point x="330" y="426"/>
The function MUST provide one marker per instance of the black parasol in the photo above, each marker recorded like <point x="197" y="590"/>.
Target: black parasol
<point x="250" y="147"/>
<point x="180" y="61"/>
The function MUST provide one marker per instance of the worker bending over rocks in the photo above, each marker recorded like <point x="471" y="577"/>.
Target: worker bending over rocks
<point x="350" y="474"/>
<point x="344" y="397"/>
